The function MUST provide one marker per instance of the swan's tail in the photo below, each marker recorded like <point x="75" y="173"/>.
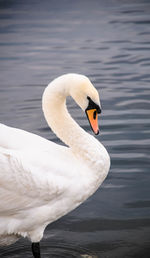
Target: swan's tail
<point x="8" y="239"/>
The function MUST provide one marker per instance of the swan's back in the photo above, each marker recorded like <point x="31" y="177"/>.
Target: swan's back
<point x="18" y="139"/>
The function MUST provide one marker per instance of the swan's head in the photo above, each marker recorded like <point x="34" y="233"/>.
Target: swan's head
<point x="87" y="97"/>
<point x="80" y="89"/>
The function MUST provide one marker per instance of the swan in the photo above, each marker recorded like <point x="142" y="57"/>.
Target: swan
<point x="41" y="181"/>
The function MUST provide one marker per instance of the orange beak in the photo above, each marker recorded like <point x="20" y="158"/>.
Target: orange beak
<point x="92" y="115"/>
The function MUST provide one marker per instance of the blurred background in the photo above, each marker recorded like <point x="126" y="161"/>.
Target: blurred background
<point x="108" y="41"/>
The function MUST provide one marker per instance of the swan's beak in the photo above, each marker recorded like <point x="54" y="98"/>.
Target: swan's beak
<point x="92" y="115"/>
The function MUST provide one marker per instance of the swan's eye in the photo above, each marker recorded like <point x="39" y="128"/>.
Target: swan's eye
<point x="93" y="105"/>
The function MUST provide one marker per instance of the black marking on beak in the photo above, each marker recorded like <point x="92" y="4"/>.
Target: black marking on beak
<point x="94" y="114"/>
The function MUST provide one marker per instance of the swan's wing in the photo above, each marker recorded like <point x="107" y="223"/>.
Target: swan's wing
<point x="18" y="139"/>
<point x="27" y="179"/>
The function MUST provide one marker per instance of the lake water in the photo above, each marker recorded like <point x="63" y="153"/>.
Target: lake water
<point x="109" y="41"/>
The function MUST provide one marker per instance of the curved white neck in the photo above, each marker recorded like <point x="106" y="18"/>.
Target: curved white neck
<point x="58" y="118"/>
<point x="82" y="144"/>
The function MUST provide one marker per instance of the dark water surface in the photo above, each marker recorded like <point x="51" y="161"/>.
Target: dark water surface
<point x="109" y="41"/>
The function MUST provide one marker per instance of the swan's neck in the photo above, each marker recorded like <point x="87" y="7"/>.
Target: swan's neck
<point x="58" y="118"/>
<point x="60" y="121"/>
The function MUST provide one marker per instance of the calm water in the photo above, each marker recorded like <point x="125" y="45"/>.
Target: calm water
<point x="109" y="41"/>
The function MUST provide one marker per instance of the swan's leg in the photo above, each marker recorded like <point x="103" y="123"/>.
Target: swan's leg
<point x="36" y="250"/>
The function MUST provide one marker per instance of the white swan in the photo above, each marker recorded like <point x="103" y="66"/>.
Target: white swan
<point x="40" y="181"/>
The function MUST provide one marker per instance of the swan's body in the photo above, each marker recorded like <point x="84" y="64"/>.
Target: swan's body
<point x="41" y="181"/>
